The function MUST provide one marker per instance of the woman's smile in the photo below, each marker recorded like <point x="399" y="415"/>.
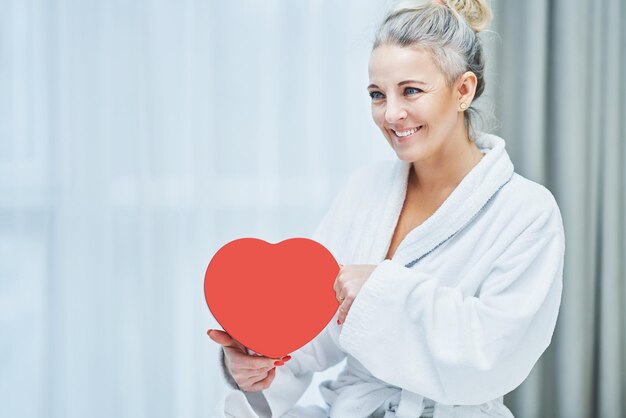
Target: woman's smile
<point x="404" y="136"/>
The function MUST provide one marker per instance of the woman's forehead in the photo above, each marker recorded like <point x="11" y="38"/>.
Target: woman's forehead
<point x="392" y="64"/>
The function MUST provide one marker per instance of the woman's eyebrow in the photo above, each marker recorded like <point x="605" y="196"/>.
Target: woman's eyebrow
<point x="402" y="83"/>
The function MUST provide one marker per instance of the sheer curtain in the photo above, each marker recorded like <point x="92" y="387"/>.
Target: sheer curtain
<point x="138" y="137"/>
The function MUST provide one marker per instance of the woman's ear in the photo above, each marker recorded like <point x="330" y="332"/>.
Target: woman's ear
<point x="466" y="89"/>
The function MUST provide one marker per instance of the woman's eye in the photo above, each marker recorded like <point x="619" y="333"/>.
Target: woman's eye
<point x="375" y="95"/>
<point x="412" y="90"/>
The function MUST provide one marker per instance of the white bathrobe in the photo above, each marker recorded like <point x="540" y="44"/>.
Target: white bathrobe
<point x="459" y="316"/>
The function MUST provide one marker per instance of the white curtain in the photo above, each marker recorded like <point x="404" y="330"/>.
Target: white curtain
<point x="137" y="137"/>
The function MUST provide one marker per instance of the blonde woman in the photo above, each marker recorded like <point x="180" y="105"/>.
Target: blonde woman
<point x="453" y="262"/>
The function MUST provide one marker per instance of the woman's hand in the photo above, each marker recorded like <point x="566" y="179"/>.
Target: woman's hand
<point x="252" y="373"/>
<point x="348" y="284"/>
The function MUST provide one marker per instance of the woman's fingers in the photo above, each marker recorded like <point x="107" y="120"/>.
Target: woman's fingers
<point x="225" y="340"/>
<point x="241" y="360"/>
<point x="262" y="384"/>
<point x="247" y="378"/>
<point x="251" y="371"/>
<point x="220" y="337"/>
<point x="343" y="310"/>
<point x="251" y="379"/>
<point x="341" y="317"/>
<point x="337" y="284"/>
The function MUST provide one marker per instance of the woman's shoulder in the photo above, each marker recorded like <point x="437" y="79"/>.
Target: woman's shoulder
<point x="525" y="190"/>
<point x="528" y="200"/>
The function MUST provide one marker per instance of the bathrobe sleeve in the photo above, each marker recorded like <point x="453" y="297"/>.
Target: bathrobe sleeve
<point x="411" y="332"/>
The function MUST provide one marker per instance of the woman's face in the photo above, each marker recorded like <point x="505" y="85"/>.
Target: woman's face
<point x="411" y="103"/>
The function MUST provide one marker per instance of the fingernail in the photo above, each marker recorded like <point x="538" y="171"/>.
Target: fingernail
<point x="338" y="322"/>
<point x="286" y="358"/>
<point x="278" y="363"/>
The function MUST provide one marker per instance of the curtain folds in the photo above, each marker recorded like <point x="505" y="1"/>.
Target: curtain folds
<point x="562" y="107"/>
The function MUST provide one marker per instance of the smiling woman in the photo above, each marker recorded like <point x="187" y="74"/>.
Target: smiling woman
<point x="420" y="119"/>
<point x="452" y="275"/>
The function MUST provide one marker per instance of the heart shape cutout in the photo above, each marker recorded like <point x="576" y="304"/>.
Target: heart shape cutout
<point x="272" y="298"/>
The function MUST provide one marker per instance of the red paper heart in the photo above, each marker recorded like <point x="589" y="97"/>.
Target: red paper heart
<point x="272" y="298"/>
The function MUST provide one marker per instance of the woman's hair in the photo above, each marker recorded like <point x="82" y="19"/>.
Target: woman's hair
<point x="446" y="28"/>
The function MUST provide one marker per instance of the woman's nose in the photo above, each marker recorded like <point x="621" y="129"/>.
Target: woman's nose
<point x="394" y="112"/>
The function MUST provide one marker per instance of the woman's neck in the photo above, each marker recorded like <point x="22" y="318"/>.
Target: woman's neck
<point x="445" y="171"/>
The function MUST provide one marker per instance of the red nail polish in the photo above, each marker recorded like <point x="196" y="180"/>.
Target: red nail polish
<point x="278" y="363"/>
<point x="286" y="358"/>
<point x="338" y="322"/>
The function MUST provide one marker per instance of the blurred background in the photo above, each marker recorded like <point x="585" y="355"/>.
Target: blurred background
<point x="138" y="137"/>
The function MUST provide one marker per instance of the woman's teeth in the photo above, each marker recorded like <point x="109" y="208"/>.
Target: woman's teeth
<point x="407" y="133"/>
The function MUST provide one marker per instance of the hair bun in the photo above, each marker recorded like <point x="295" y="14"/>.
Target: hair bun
<point x="476" y="12"/>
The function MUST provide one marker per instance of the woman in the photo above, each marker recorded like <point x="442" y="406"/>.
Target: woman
<point x="453" y="274"/>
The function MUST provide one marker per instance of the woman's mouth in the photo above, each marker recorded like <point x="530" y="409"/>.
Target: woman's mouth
<point x="402" y="136"/>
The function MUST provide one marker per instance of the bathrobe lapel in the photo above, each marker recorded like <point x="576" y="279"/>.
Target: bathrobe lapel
<point x="476" y="189"/>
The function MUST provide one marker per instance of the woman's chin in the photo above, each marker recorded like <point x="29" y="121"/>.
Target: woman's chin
<point x="409" y="155"/>
<point x="403" y="156"/>
<point x="411" y="150"/>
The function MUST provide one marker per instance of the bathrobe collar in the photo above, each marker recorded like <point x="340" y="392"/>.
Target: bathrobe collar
<point x="476" y="189"/>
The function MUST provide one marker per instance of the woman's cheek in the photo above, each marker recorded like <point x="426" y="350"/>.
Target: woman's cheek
<point x="377" y="115"/>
